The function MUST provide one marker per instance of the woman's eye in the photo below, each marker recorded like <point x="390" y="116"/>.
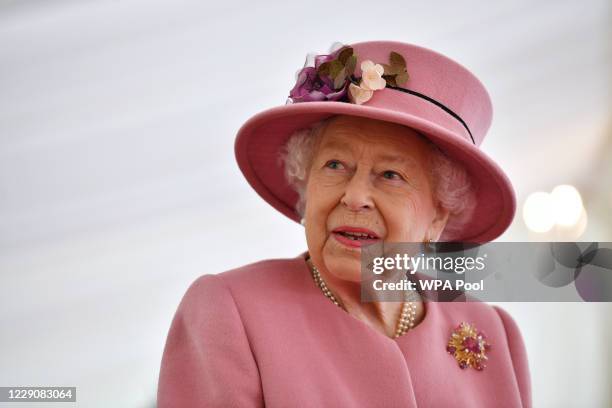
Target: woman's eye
<point x="333" y="164"/>
<point x="391" y="175"/>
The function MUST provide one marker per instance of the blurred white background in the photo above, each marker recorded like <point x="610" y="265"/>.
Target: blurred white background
<point x="118" y="185"/>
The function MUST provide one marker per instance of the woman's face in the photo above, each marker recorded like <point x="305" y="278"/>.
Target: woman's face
<point x="367" y="177"/>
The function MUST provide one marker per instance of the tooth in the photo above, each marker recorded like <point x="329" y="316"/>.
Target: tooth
<point x="358" y="235"/>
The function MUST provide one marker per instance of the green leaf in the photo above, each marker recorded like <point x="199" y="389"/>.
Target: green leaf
<point x="388" y="69"/>
<point x="340" y="79"/>
<point x="335" y="67"/>
<point x="345" y="54"/>
<point x="397" y="60"/>
<point x="323" y="69"/>
<point x="350" y="65"/>
<point x="402" y="78"/>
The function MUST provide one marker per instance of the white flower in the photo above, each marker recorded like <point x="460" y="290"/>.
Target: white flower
<point x="358" y="94"/>
<point x="371" y="80"/>
<point x="371" y="76"/>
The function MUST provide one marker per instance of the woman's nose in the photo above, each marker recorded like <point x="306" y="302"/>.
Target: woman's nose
<point x="358" y="193"/>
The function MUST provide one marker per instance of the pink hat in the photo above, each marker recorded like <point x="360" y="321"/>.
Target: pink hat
<point x="419" y="88"/>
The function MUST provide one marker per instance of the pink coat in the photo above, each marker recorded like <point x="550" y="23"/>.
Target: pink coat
<point x="264" y="334"/>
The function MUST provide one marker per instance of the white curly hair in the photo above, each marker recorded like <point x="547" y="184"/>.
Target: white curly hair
<point x="452" y="186"/>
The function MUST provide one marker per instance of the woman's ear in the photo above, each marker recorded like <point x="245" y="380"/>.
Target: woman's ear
<point x="438" y="223"/>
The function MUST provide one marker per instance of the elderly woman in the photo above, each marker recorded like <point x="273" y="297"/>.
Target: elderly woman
<point x="377" y="143"/>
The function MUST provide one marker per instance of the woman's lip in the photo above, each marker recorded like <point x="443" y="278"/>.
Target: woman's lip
<point x="353" y="243"/>
<point x="346" y="228"/>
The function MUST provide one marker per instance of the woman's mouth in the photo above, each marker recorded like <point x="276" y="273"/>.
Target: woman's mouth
<point x="354" y="237"/>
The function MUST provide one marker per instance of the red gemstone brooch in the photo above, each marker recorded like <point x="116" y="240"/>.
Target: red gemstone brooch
<point x="469" y="346"/>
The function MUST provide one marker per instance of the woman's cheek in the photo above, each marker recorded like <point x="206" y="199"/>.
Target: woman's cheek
<point x="402" y="218"/>
<point x="423" y="213"/>
<point x="318" y="209"/>
<point x="315" y="236"/>
<point x="328" y="192"/>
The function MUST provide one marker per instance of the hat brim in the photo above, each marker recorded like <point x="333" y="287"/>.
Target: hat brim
<point x="260" y="139"/>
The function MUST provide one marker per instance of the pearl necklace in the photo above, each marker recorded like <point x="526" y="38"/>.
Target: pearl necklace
<point x="407" y="315"/>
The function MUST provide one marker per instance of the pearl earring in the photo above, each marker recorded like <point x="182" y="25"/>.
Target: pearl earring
<point x="303" y="221"/>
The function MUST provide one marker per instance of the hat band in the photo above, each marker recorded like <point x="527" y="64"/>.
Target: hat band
<point x="437" y="103"/>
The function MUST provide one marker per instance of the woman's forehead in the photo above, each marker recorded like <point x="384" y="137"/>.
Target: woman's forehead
<point x="388" y="140"/>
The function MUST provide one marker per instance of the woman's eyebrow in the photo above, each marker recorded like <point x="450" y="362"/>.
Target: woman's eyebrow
<point x="393" y="158"/>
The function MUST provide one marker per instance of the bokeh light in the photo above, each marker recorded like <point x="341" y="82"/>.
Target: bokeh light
<point x="561" y="209"/>
<point x="537" y="212"/>
<point x="567" y="205"/>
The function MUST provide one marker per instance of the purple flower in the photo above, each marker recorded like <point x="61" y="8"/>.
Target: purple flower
<point x="312" y="87"/>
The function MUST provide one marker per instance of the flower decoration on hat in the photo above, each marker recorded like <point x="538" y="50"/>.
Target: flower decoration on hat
<point x="332" y="78"/>
<point x="469" y="346"/>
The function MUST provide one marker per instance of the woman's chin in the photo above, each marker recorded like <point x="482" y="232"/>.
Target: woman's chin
<point x="346" y="274"/>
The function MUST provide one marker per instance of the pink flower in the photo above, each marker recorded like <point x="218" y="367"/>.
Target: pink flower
<point x="359" y="95"/>
<point x="371" y="80"/>
<point x="371" y="76"/>
<point x="330" y="77"/>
